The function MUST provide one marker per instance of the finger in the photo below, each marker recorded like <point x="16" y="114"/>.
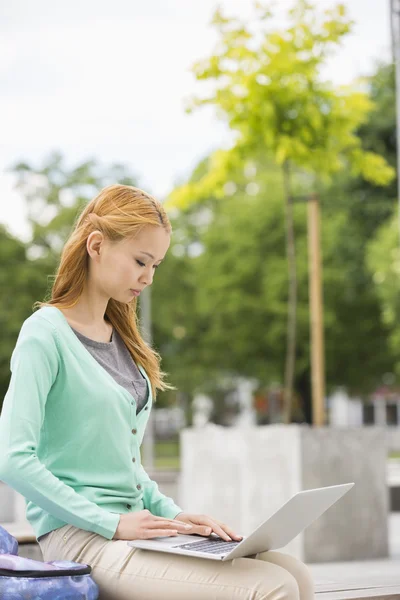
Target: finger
<point x="218" y="530"/>
<point x="151" y="533"/>
<point x="229" y="531"/>
<point x="208" y="529"/>
<point x="159" y="524"/>
<point x="171" y="521"/>
<point x="203" y="525"/>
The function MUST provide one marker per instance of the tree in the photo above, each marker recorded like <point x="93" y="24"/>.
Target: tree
<point x="55" y="195"/>
<point x="21" y="282"/>
<point x="233" y="301"/>
<point x="383" y="259"/>
<point x="360" y="308"/>
<point x="269" y="89"/>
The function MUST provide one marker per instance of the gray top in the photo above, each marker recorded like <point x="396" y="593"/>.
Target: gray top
<point x="115" y="358"/>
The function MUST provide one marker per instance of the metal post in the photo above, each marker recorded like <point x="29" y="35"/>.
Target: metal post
<point x="395" y="31"/>
<point x="316" y="314"/>
<point x="145" y="320"/>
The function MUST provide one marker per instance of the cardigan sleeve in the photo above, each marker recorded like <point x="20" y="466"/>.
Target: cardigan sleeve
<point x="34" y="367"/>
<point x="156" y="502"/>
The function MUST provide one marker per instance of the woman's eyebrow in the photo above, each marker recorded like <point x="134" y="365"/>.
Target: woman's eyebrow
<point x="148" y="254"/>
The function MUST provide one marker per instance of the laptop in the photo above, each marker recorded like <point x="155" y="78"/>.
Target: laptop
<point x="277" y="531"/>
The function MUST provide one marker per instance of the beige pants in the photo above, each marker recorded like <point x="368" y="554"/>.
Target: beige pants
<point x="126" y="573"/>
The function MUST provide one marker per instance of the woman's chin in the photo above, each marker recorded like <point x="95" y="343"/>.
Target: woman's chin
<point x="125" y="299"/>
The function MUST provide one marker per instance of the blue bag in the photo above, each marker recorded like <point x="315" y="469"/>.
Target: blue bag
<point x="24" y="578"/>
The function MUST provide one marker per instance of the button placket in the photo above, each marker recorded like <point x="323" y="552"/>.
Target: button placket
<point x="134" y="431"/>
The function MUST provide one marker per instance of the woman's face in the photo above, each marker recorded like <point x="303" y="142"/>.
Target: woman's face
<point x="117" y="268"/>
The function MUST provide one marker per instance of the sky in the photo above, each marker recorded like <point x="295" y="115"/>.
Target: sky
<point x="108" y="80"/>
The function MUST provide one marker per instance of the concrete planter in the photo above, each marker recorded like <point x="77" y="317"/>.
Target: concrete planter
<point x="242" y="475"/>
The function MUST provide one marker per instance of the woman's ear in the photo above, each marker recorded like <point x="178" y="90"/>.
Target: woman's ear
<point x="94" y="243"/>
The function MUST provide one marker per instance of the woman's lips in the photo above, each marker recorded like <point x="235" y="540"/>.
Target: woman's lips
<point x="135" y="292"/>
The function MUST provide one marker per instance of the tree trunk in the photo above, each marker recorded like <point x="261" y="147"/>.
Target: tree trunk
<point x="292" y="299"/>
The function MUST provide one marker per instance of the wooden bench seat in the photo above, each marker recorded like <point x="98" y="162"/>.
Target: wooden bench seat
<point x="354" y="592"/>
<point x="357" y="580"/>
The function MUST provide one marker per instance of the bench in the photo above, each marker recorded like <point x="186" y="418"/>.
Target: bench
<point x="354" y="592"/>
<point x="357" y="580"/>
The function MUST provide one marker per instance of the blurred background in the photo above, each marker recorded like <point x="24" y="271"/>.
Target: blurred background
<point x="269" y="132"/>
<point x="100" y="93"/>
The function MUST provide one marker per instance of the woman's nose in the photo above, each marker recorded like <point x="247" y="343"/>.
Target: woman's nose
<point x="147" y="277"/>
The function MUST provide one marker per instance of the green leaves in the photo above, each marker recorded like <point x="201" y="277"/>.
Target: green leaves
<point x="383" y="260"/>
<point x="268" y="87"/>
<point x="371" y="167"/>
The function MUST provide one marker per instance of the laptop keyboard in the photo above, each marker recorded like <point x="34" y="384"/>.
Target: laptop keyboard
<point x="210" y="546"/>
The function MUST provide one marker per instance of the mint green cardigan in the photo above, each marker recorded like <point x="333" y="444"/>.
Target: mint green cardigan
<point x="69" y="434"/>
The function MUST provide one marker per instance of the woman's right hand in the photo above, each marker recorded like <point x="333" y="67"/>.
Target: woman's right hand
<point x="143" y="525"/>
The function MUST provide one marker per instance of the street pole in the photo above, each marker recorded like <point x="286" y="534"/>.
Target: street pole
<point x="145" y="321"/>
<point x="395" y="32"/>
<point x="316" y="313"/>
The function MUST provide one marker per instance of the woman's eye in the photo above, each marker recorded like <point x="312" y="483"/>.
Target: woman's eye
<point x="143" y="265"/>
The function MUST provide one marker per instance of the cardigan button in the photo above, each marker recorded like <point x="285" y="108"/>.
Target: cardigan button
<point x="129" y="506"/>
<point x="134" y="430"/>
<point x="139" y="487"/>
<point x="147" y="408"/>
<point x="133" y="459"/>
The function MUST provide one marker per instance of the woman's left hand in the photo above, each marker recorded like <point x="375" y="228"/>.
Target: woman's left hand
<point x="203" y="525"/>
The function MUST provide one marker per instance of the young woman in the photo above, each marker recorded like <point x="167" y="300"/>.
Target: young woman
<point x="82" y="385"/>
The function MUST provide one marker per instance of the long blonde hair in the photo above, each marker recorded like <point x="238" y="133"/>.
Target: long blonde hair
<point x="118" y="211"/>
